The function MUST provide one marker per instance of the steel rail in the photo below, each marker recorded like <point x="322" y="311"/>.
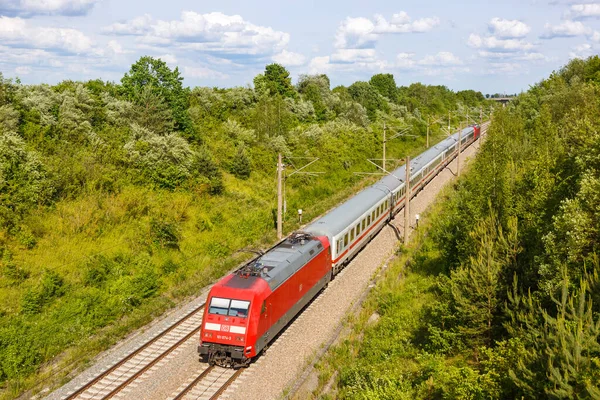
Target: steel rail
<point x="194" y="383"/>
<point x="150" y="364"/>
<point x="226" y="384"/>
<point x="138" y="351"/>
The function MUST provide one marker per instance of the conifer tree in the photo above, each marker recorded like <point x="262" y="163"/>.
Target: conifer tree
<point x="240" y="167"/>
<point x="477" y="285"/>
<point x="151" y="112"/>
<point x="562" y="356"/>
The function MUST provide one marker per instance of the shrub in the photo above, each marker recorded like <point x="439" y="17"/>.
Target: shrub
<point x="51" y="285"/>
<point x="14" y="272"/>
<point x="169" y="266"/>
<point x="164" y="233"/>
<point x="240" y="167"/>
<point x="97" y="270"/>
<point x="165" y="160"/>
<point x="22" y="179"/>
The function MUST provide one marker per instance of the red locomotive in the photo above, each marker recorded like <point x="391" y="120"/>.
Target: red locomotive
<point x="246" y="309"/>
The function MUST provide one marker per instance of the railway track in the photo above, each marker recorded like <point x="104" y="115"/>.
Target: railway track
<point x="209" y="385"/>
<point x="115" y="379"/>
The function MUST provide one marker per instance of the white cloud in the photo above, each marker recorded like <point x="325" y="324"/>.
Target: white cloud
<point x="443" y="58"/>
<point x="359" y="33"/>
<point x="214" y="32"/>
<point x="595" y="37"/>
<point x="25" y="56"/>
<point x="504" y="69"/>
<point x="351" y="56"/>
<point x="566" y="29"/>
<point x="402" y="23"/>
<point x="507" y="28"/>
<point x="353" y="60"/>
<point x="532" y="57"/>
<point x="581" y="51"/>
<point x="492" y="43"/>
<point x="20" y="33"/>
<point x="24" y="70"/>
<point x="405" y="61"/>
<point x="513" y="56"/>
<point x="169" y="59"/>
<point x="49" y="7"/>
<point x="289" y="58"/>
<point x="116" y="48"/>
<point x="55" y="63"/>
<point x="356" y="33"/>
<point x="319" y="65"/>
<point x="580" y="11"/>
<point x="348" y="60"/>
<point x="203" y="72"/>
<point x="137" y="26"/>
<point x="446" y="72"/>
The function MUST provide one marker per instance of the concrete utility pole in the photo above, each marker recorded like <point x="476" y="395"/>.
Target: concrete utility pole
<point x="458" y="156"/>
<point x="407" y="201"/>
<point x="383" y="160"/>
<point x="279" y="197"/>
<point x="448" y="122"/>
<point x="480" y="115"/>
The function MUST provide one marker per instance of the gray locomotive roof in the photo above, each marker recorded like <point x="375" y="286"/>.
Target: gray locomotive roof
<point x="342" y="216"/>
<point x="284" y="260"/>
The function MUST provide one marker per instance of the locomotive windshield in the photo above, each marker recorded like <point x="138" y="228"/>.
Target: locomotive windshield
<point x="232" y="308"/>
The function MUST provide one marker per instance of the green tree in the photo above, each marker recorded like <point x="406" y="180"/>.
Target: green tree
<point x="560" y="356"/>
<point x="477" y="286"/>
<point x="166" y="83"/>
<point x="152" y="112"/>
<point x="385" y="85"/>
<point x="22" y="179"/>
<point x="165" y="160"/>
<point x="369" y="98"/>
<point x="276" y="80"/>
<point x="240" y="167"/>
<point x="315" y="88"/>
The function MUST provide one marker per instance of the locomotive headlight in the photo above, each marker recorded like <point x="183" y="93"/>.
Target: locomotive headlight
<point x="248" y="349"/>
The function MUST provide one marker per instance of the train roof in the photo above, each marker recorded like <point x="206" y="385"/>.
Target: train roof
<point x="342" y="216"/>
<point x="282" y="261"/>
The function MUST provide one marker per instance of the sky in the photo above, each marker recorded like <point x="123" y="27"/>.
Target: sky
<point x="499" y="47"/>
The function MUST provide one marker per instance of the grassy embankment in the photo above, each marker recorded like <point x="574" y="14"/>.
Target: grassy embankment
<point x="106" y="264"/>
